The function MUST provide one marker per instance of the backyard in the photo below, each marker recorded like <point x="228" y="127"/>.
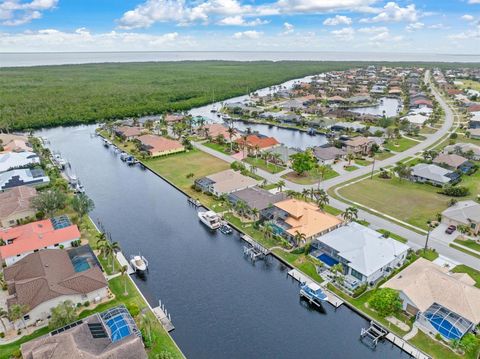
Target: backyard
<point x="310" y="177"/>
<point x="262" y="164"/>
<point x="302" y="261"/>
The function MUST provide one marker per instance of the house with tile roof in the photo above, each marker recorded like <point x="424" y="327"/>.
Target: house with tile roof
<point x="225" y="182"/>
<point x="257" y="141"/>
<point x="42" y="280"/>
<point x="465" y="213"/>
<point x="32" y="237"/>
<point x="15" y="143"/>
<point x="159" y="146"/>
<point x="433" y="174"/>
<point x="15" y="205"/>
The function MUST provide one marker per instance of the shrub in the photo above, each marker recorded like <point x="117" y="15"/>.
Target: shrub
<point x="386" y="301"/>
<point x="458" y="191"/>
<point x="360" y="290"/>
<point x="469" y="342"/>
<point x="86" y="304"/>
<point x="17" y="353"/>
<point x="133" y="309"/>
<point x="2" y="335"/>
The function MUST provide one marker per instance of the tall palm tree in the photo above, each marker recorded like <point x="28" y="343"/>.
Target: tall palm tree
<point x="268" y="230"/>
<point x="350" y="214"/>
<point x="231" y="133"/>
<point x="101" y="238"/>
<point x="350" y="158"/>
<point x="17" y="311"/>
<point x="123" y="272"/>
<point x="255" y="213"/>
<point x="3" y="315"/>
<point x="280" y="185"/>
<point x="244" y="143"/>
<point x="299" y="237"/>
<point x="305" y="193"/>
<point x="146" y="323"/>
<point x="321" y="198"/>
<point x="109" y="249"/>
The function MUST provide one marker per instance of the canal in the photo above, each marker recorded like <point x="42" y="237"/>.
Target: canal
<point x="222" y="305"/>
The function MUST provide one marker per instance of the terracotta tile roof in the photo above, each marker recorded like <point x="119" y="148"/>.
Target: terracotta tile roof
<point x="473" y="108"/>
<point x="36" y="235"/>
<point x="16" y="200"/>
<point x="260" y="141"/>
<point x="15" y="143"/>
<point x="173" y="118"/>
<point x="158" y="144"/>
<point x="49" y="274"/>
<point x="128" y="131"/>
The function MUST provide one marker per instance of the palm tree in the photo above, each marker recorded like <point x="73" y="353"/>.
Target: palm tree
<point x="305" y="193"/>
<point x="109" y="249"/>
<point x="299" y="237"/>
<point x="231" y="133"/>
<point x="322" y="171"/>
<point x="255" y="213"/>
<point x="123" y="271"/>
<point x="101" y="238"/>
<point x="3" y="315"/>
<point x="280" y="185"/>
<point x="268" y="230"/>
<point x="146" y="324"/>
<point x="321" y="198"/>
<point x="17" y="311"/>
<point x="244" y="143"/>
<point x="403" y="170"/>
<point x="350" y="158"/>
<point x="350" y="214"/>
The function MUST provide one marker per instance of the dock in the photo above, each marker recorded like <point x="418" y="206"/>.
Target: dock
<point x="123" y="262"/>
<point x="258" y="247"/>
<point x="302" y="278"/>
<point x="406" y="347"/>
<point x="194" y="202"/>
<point x="374" y="333"/>
<point x="163" y="316"/>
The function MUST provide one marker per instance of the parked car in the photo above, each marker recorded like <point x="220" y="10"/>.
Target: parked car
<point x="450" y="229"/>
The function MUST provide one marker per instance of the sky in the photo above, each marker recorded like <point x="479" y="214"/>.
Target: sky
<point x="410" y="26"/>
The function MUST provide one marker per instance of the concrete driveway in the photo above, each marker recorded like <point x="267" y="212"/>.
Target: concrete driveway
<point x="440" y="235"/>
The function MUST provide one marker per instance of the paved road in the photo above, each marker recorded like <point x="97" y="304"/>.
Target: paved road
<point x="415" y="239"/>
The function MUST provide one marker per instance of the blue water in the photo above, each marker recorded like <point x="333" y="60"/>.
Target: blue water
<point x="80" y="264"/>
<point x="118" y="327"/>
<point x="329" y="261"/>
<point x="444" y="327"/>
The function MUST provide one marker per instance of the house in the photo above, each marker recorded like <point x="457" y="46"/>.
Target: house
<point x="292" y="215"/>
<point x="252" y="142"/>
<point x="172" y="118"/>
<point x="224" y="182"/>
<point x="256" y="197"/>
<point x="15" y="143"/>
<point x="23" y="177"/>
<point x="475" y="133"/>
<point x="417" y="119"/>
<point x="444" y="303"/>
<point x="128" y="132"/>
<point x="42" y="280"/>
<point x="427" y="173"/>
<point x="292" y="105"/>
<point x="15" y="205"/>
<point x="465" y="213"/>
<point x="214" y="130"/>
<point x="358" y="145"/>
<point x="366" y="255"/>
<point x="159" y="146"/>
<point x="32" y="237"/>
<point x="469" y="150"/>
<point x="14" y="160"/>
<point x="94" y="337"/>
<point x="453" y="162"/>
<point x="283" y="152"/>
<point x="328" y="155"/>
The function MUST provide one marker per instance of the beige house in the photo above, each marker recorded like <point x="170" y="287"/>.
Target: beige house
<point x="358" y="145"/>
<point x="465" y="213"/>
<point x="15" y="205"/>
<point x="225" y="182"/>
<point x="159" y="146"/>
<point x="15" y="143"/>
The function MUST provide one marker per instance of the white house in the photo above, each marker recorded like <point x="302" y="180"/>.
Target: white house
<point x="13" y="160"/>
<point x="427" y="173"/>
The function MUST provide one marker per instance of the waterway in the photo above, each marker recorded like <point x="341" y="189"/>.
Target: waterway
<point x="388" y="106"/>
<point x="222" y="305"/>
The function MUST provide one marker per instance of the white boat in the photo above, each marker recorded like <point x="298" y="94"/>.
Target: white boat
<point x="313" y="292"/>
<point x="139" y="263"/>
<point x="210" y="219"/>
<point x="214" y="108"/>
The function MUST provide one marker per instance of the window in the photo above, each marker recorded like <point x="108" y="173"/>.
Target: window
<point x="472" y="225"/>
<point x="26" y="317"/>
<point x="356" y="274"/>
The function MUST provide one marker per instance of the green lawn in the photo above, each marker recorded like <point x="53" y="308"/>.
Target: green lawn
<point x="380" y="156"/>
<point x="393" y="235"/>
<point x="262" y="164"/>
<point x="413" y="203"/>
<point x="475" y="274"/>
<point x="400" y="145"/>
<point x="303" y="262"/>
<point x="332" y="210"/>
<point x="217" y="147"/>
<point x="469" y="243"/>
<point x="429" y="254"/>
<point x="438" y="351"/>
<point x="461" y="249"/>
<point x="362" y="162"/>
<point x="350" y="168"/>
<point x="310" y="177"/>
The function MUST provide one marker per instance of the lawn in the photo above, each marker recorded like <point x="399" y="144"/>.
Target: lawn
<point x="303" y="262"/>
<point x="380" y="156"/>
<point x="413" y="203"/>
<point x="362" y="162"/>
<point x="429" y="254"/>
<point x="262" y="164"/>
<point x="350" y="168"/>
<point x="393" y="235"/>
<point x="470" y="84"/>
<point x="332" y="210"/>
<point x="400" y="144"/>
<point x="217" y="147"/>
<point x="466" y="251"/>
<point x="469" y="243"/>
<point x="310" y="177"/>
<point x="426" y="344"/>
<point x="475" y="274"/>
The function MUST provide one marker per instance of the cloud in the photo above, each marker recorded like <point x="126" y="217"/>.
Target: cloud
<point x="249" y="34"/>
<point x="288" y="28"/>
<point x="415" y="26"/>
<point x="474" y="1"/>
<point x="15" y="12"/>
<point x="338" y="20"/>
<point x="466" y="35"/>
<point x="438" y="27"/>
<point x="372" y="29"/>
<point x="347" y="33"/>
<point x="467" y="17"/>
<point x="240" y="21"/>
<point x="392" y="12"/>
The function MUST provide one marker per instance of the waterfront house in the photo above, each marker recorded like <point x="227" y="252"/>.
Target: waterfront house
<point x="224" y="182"/>
<point x="358" y="145"/>
<point x="453" y="162"/>
<point x="171" y="118"/>
<point x="256" y="197"/>
<point x="128" y="132"/>
<point x="159" y="146"/>
<point x="366" y="255"/>
<point x="284" y="152"/>
<point x="32" y="237"/>
<point x="214" y="130"/>
<point x="469" y="150"/>
<point x="23" y="177"/>
<point x="15" y="143"/>
<point x="442" y="302"/>
<point x="252" y="142"/>
<point x="292" y="215"/>
<point x="328" y="155"/>
<point x="433" y="174"/>
<point x="15" y="205"/>
<point x="111" y="334"/>
<point x="44" y="279"/>
<point x="465" y="213"/>
<point x="15" y="160"/>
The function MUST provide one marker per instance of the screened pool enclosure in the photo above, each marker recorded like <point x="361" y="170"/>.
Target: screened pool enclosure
<point x="447" y="323"/>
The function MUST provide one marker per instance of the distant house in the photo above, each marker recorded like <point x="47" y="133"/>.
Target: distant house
<point x="466" y="149"/>
<point x="465" y="213"/>
<point x="358" y="145"/>
<point x="171" y="118"/>
<point x="95" y="337"/>
<point x="328" y="155"/>
<point x="475" y="133"/>
<point x="15" y="205"/>
<point x="15" y="143"/>
<point x="291" y="216"/>
<point x="284" y="152"/>
<point x="22" y="177"/>
<point x="292" y="105"/>
<point x="453" y="162"/>
<point x="214" y="130"/>
<point x="128" y="133"/>
<point x="14" y="160"/>
<point x="433" y="174"/>
<point x="442" y="302"/>
<point x="159" y="146"/>
<point x="366" y="255"/>
<point x="224" y="182"/>
<point x="416" y="119"/>
<point x="348" y="126"/>
<point x="256" y="197"/>
<point x="257" y="141"/>
<point x="44" y="279"/>
<point x="49" y="233"/>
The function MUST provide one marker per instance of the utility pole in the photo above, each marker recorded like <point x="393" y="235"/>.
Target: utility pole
<point x="373" y="167"/>
<point x="428" y="235"/>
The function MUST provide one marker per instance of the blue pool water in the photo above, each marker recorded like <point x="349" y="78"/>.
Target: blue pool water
<point x="80" y="264"/>
<point x="119" y="328"/>
<point x="329" y="261"/>
<point x="444" y="327"/>
<point x="277" y="229"/>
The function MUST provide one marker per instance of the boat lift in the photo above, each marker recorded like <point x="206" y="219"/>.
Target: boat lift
<point x="375" y="332"/>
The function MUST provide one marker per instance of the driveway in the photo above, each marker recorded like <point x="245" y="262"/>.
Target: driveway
<point x="439" y="234"/>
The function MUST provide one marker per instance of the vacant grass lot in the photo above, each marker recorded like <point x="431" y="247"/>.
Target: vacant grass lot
<point x="410" y="202"/>
<point x="309" y="178"/>
<point x="262" y="164"/>
<point x="400" y="145"/>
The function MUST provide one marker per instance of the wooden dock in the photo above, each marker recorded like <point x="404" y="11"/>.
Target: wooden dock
<point x="406" y="347"/>
<point x="258" y="247"/>
<point x="123" y="262"/>
<point x="164" y="317"/>
<point x="302" y="278"/>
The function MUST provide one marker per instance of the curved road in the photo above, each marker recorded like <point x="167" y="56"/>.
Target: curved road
<point x="415" y="240"/>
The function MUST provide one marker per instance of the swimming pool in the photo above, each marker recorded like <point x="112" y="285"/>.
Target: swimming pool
<point x="119" y="322"/>
<point x="443" y="326"/>
<point x="329" y="261"/>
<point x="80" y="263"/>
<point x="118" y="327"/>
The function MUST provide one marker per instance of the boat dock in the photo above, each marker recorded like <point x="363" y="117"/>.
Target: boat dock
<point x="194" y="202"/>
<point x="258" y="247"/>
<point x="375" y="332"/>
<point x="255" y="250"/>
<point x="123" y="262"/>
<point x="302" y="278"/>
<point x="406" y="347"/>
<point x="163" y="316"/>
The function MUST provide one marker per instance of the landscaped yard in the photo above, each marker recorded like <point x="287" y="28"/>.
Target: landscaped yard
<point x="262" y="164"/>
<point x="413" y="203"/>
<point x="475" y="274"/>
<point x="350" y="168"/>
<point x="393" y="235"/>
<point x="310" y="177"/>
<point x="426" y="344"/>
<point x="303" y="262"/>
<point x="400" y="144"/>
<point x="362" y="162"/>
<point x="217" y="147"/>
<point x="380" y="156"/>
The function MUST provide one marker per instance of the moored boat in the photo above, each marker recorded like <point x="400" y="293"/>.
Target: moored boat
<point x="313" y="293"/>
<point x="139" y="263"/>
<point x="210" y="219"/>
<point x="226" y="229"/>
